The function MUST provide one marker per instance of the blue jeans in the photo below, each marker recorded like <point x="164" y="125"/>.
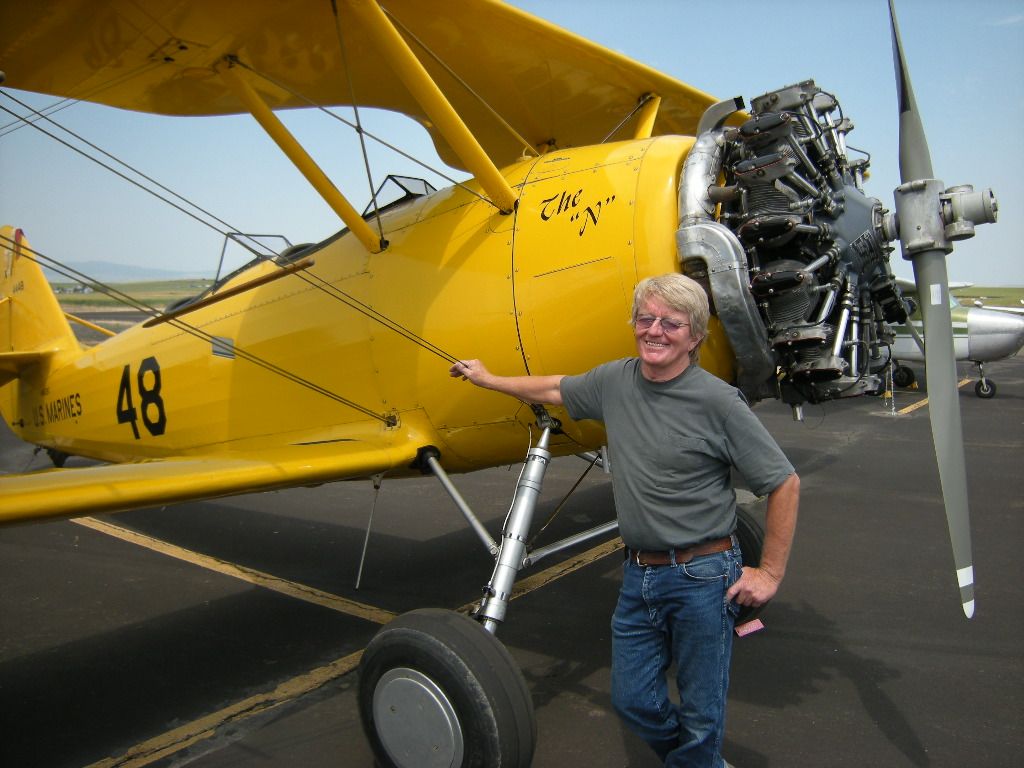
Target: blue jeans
<point x="676" y="613"/>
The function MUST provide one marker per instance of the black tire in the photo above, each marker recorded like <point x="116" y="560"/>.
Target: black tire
<point x="985" y="389"/>
<point x="750" y="535"/>
<point x="437" y="689"/>
<point x="903" y="376"/>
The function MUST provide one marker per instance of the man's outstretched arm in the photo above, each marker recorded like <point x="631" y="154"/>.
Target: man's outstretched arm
<point x="545" y="390"/>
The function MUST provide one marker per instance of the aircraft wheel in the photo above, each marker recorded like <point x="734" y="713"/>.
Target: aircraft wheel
<point x="985" y="389"/>
<point x="902" y="376"/>
<point x="437" y="690"/>
<point x="750" y="535"/>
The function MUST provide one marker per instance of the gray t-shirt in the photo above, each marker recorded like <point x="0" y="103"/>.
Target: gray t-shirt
<point x="672" y="446"/>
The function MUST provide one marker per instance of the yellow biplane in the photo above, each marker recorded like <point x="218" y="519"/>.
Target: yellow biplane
<point x="329" y="361"/>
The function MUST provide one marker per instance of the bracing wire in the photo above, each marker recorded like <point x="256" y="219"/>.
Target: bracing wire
<point x="623" y="121"/>
<point x="359" y="124"/>
<point x="90" y="93"/>
<point x="351" y="301"/>
<point x="42" y="117"/>
<point x="52" y="109"/>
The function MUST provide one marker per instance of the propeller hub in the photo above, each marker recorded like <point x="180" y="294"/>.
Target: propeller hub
<point x="919" y="216"/>
<point x="963" y="209"/>
<point x="928" y="218"/>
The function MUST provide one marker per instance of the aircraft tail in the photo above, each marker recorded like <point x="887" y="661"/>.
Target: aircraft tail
<point x="33" y="328"/>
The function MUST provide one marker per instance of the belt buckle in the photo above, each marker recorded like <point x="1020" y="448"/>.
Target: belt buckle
<point x="636" y="557"/>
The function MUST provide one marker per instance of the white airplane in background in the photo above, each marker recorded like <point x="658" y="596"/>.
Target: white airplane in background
<point x="980" y="335"/>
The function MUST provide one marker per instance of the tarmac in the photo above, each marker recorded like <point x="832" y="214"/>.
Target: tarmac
<point x="227" y="633"/>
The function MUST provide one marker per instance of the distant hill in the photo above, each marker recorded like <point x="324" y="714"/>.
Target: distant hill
<point x="110" y="272"/>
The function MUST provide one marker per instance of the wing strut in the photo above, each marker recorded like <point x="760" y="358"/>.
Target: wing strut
<point x="300" y="158"/>
<point x="648" y="114"/>
<point x="420" y="84"/>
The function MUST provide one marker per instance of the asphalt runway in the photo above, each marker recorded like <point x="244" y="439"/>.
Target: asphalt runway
<point x="226" y="633"/>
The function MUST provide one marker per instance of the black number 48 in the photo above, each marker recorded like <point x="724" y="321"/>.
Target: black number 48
<point x="149" y="398"/>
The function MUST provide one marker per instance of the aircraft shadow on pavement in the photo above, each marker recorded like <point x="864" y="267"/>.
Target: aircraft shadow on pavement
<point x="801" y="657"/>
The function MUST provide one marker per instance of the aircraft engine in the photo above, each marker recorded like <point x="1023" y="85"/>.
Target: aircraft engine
<point x="813" y="246"/>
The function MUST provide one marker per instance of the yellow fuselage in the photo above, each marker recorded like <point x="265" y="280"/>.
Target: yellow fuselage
<point x="544" y="290"/>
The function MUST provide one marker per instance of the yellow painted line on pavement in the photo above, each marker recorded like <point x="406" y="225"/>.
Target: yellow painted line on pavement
<point x="571" y="565"/>
<point x="260" y="579"/>
<point x="185" y="736"/>
<point x="922" y="403"/>
<point x="206" y="727"/>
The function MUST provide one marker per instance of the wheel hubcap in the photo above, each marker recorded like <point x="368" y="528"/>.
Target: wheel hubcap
<point x="415" y="721"/>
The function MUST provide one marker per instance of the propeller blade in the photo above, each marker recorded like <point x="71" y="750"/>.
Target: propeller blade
<point x="915" y="159"/>
<point x="944" y="413"/>
<point x="923" y="240"/>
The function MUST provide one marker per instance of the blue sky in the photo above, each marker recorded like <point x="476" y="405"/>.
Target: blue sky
<point x="966" y="59"/>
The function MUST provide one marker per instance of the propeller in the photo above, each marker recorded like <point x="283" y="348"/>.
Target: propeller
<point x="929" y="218"/>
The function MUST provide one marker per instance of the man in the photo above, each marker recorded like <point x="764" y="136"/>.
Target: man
<point x="675" y="432"/>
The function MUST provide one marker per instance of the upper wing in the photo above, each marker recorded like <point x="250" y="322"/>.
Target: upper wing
<point x="550" y="86"/>
<point x="119" y="487"/>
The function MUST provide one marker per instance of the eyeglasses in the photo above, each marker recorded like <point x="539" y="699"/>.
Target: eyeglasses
<point x="643" y="322"/>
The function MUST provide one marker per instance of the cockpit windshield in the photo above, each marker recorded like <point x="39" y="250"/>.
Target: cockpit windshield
<point x="395" y="190"/>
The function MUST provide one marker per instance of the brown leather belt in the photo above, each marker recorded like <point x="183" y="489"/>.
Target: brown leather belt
<point x="647" y="557"/>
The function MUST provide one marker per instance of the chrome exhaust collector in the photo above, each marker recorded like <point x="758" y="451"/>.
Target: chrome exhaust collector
<point x="711" y="253"/>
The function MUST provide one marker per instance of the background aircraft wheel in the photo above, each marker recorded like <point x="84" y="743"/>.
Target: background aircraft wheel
<point x="437" y="690"/>
<point x="751" y="538"/>
<point x="903" y="376"/>
<point x="985" y="388"/>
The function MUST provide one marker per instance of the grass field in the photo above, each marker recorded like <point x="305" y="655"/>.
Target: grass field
<point x="156" y="294"/>
<point x="990" y="296"/>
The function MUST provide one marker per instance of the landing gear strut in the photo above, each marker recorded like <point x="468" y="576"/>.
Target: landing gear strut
<point x="437" y="688"/>
<point x="985" y="388"/>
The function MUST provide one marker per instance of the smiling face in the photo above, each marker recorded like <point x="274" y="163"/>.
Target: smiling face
<point x="663" y="355"/>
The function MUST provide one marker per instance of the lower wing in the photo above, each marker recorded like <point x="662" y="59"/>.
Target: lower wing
<point x="118" y="487"/>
